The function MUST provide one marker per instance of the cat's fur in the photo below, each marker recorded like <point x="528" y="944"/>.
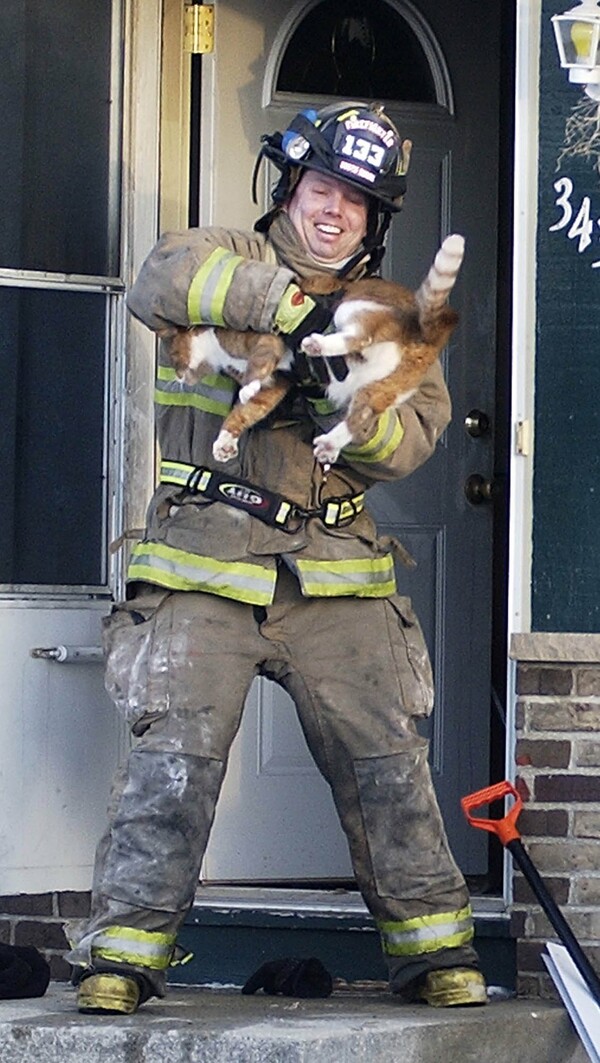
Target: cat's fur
<point x="389" y="335"/>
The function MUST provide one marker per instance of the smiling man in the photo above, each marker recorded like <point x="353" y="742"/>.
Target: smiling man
<point x="330" y="216"/>
<point x="292" y="584"/>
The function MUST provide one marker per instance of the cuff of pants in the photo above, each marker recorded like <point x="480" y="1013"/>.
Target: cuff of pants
<point x="152" y="983"/>
<point x="407" y="972"/>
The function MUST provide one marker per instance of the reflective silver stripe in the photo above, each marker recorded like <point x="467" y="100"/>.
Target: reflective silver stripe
<point x="176" y="472"/>
<point x="381" y="446"/>
<point x="209" y="287"/>
<point x="428" y="933"/>
<point x="358" y="576"/>
<point x="181" y="570"/>
<point x="125" y="946"/>
<point x="212" y="393"/>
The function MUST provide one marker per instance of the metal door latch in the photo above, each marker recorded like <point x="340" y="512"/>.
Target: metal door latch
<point x="69" y="654"/>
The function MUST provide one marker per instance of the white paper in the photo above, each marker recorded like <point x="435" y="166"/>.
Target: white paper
<point x="577" y="997"/>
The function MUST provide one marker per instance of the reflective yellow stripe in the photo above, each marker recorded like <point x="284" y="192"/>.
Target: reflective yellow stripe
<point x="364" y="577"/>
<point x="180" y="570"/>
<point x="427" y="933"/>
<point x="212" y="393"/>
<point x="345" y="510"/>
<point x="178" y="472"/>
<point x="293" y="307"/>
<point x="387" y="437"/>
<point x="125" y="944"/>
<point x="209" y="287"/>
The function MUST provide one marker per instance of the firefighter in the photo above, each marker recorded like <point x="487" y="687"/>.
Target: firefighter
<point x="280" y="575"/>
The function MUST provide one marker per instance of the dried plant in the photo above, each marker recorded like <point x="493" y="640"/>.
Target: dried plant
<point x="582" y="133"/>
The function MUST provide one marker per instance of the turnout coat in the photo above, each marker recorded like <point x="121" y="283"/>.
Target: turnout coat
<point x="238" y="280"/>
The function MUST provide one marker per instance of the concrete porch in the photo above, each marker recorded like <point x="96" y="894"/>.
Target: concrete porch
<point x="201" y="1025"/>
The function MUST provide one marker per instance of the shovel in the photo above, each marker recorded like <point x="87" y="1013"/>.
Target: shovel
<point x="506" y="830"/>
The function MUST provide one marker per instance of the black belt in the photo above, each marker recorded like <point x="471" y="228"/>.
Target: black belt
<point x="267" y="506"/>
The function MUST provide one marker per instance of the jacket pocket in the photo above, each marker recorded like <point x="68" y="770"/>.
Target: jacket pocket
<point x="136" y="676"/>
<point x="411" y="656"/>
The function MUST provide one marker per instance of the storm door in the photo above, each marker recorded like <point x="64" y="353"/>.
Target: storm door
<point x="61" y="310"/>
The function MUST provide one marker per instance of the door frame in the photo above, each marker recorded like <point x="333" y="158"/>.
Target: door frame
<point x="520" y="359"/>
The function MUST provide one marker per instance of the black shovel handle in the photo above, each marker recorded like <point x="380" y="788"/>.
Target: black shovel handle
<point x="506" y="830"/>
<point x="556" y="917"/>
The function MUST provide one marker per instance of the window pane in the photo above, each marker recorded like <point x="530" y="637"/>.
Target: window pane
<point x="55" y="98"/>
<point x="356" y="50"/>
<point x="51" y="445"/>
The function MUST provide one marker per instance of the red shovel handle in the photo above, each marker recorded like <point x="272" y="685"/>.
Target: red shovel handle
<point x="506" y="828"/>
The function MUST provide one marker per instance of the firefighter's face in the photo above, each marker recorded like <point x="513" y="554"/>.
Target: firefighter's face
<point x="330" y="216"/>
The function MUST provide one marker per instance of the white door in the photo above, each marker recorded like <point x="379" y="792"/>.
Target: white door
<point x="276" y="819"/>
<point x="65" y="258"/>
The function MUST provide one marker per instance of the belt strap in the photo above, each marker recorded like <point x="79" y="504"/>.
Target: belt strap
<point x="267" y="506"/>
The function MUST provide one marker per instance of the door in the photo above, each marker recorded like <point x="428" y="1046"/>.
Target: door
<point x="276" y="819"/>
<point x="62" y="285"/>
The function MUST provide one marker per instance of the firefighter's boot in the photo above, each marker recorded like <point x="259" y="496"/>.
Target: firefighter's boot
<point x="101" y="994"/>
<point x="453" y="987"/>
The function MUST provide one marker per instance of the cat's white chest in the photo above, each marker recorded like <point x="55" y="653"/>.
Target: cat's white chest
<point x="379" y="361"/>
<point x="205" y="349"/>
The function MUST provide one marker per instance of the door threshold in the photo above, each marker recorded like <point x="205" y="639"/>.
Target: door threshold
<point x="286" y="901"/>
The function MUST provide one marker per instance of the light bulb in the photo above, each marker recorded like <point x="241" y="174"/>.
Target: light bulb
<point x="582" y="35"/>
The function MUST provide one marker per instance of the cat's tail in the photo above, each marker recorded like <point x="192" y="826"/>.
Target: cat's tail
<point x="439" y="282"/>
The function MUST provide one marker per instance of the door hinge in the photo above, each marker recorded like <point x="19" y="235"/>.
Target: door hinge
<point x="199" y="28"/>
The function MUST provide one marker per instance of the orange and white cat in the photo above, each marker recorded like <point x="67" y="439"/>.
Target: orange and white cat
<point x="388" y="335"/>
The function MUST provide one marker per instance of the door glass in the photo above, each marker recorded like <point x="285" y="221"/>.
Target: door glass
<point x="55" y="100"/>
<point x="51" y="446"/>
<point x="356" y="50"/>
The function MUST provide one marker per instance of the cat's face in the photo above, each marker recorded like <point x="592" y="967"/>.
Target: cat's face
<point x="329" y="216"/>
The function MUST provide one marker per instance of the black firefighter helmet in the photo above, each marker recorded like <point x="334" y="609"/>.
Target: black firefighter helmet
<point x="355" y="142"/>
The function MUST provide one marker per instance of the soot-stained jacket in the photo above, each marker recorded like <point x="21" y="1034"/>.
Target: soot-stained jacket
<point x="237" y="279"/>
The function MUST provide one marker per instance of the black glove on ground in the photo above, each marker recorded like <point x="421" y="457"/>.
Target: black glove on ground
<point x="23" y="972"/>
<point x="291" y="978"/>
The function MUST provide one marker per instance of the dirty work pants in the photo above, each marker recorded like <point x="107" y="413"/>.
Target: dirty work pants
<point x="180" y="665"/>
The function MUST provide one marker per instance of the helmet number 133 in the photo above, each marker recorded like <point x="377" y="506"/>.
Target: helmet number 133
<point x="363" y="150"/>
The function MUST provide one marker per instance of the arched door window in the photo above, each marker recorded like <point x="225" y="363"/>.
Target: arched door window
<point x="357" y="50"/>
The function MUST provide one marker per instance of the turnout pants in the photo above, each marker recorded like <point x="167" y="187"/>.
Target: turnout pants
<point x="179" y="665"/>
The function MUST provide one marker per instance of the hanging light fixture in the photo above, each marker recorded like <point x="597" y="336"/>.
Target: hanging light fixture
<point x="577" y="33"/>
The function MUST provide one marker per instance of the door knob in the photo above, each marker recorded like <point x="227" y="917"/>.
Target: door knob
<point x="477" y="423"/>
<point x="479" y="490"/>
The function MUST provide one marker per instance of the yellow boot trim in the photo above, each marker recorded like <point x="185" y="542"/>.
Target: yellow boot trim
<point x="454" y="987"/>
<point x="114" y="993"/>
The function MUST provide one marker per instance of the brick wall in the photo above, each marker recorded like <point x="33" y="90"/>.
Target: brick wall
<point x="37" y="919"/>
<point x="558" y="757"/>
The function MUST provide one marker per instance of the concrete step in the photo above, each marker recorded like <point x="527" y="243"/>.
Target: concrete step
<point x="195" y="1025"/>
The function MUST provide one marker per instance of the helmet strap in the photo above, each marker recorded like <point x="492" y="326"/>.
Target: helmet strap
<point x="373" y="245"/>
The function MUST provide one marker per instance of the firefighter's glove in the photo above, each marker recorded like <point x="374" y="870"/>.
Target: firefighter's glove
<point x="23" y="972"/>
<point x="291" y="978"/>
<point x="298" y="314"/>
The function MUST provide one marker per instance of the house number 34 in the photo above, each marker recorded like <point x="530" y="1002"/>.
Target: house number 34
<point x="579" y="226"/>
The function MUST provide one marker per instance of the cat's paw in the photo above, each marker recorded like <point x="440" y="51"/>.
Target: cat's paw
<point x="225" y="446"/>
<point x="249" y="391"/>
<point x="313" y="344"/>
<point x="325" y="450"/>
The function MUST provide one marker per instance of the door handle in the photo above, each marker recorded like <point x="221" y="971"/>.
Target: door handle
<point x="69" y="654"/>
<point x="478" y="490"/>
<point x="477" y="424"/>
